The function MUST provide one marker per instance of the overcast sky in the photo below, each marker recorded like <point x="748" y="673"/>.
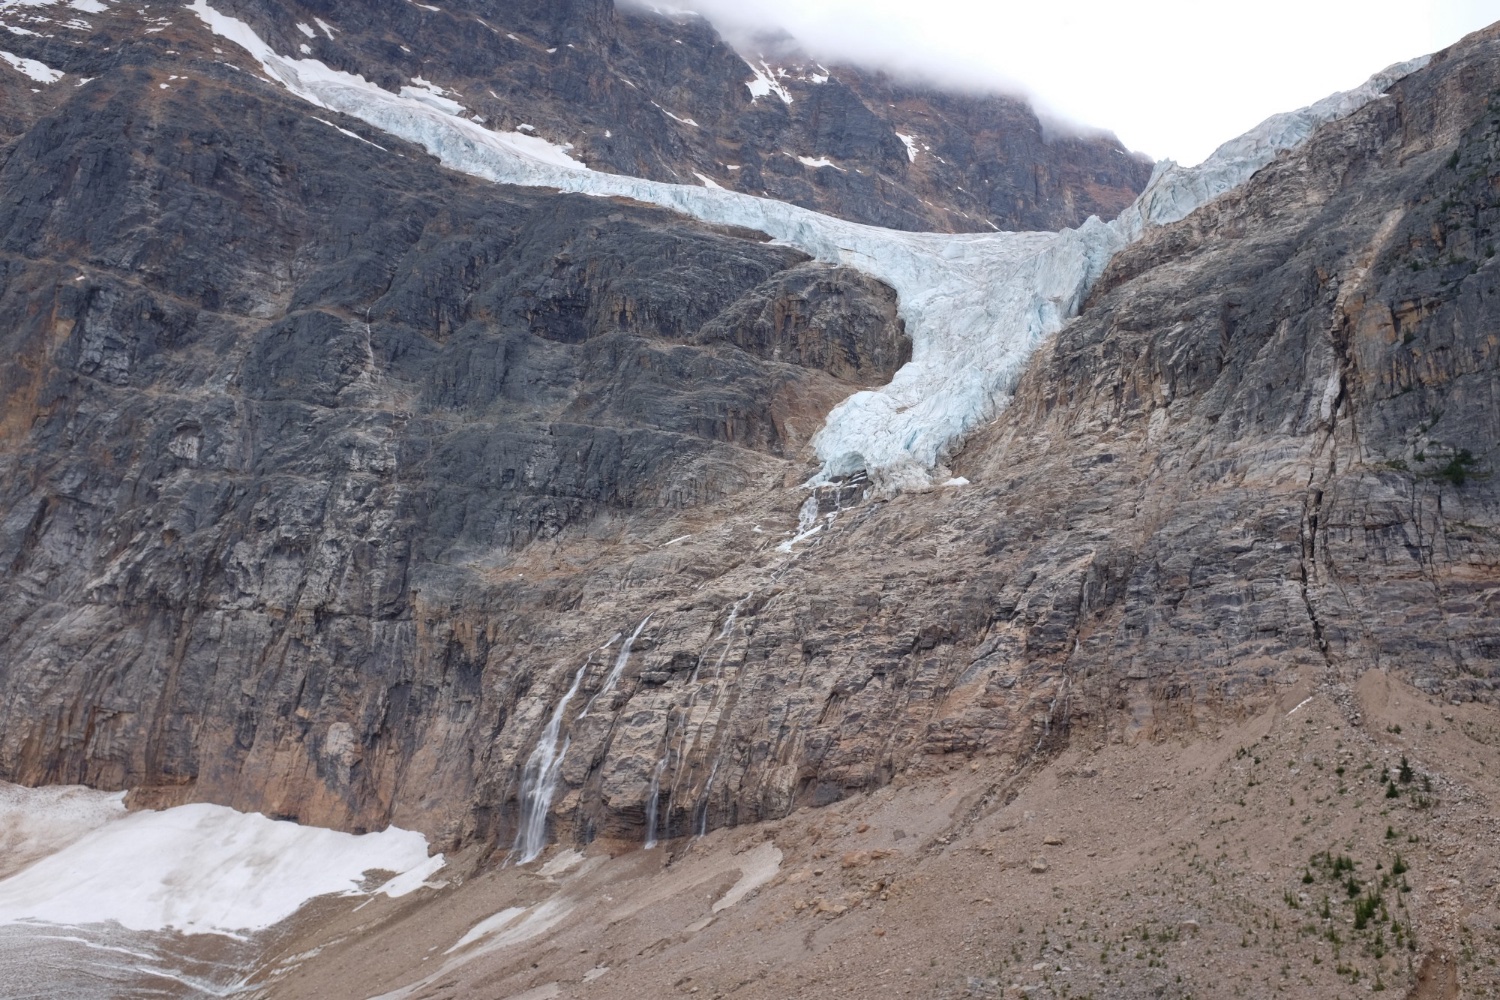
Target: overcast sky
<point x="1171" y="78"/>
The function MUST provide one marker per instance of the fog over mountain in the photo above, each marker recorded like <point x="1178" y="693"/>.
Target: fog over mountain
<point x="1172" y="78"/>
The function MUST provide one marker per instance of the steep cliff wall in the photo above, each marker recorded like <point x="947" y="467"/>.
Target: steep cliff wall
<point x="327" y="473"/>
<point x="268" y="377"/>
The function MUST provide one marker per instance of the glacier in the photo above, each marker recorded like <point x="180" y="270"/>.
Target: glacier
<point x="975" y="305"/>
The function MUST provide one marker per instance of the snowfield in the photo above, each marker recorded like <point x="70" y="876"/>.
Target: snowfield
<point x="38" y="71"/>
<point x="196" y="869"/>
<point x="975" y="306"/>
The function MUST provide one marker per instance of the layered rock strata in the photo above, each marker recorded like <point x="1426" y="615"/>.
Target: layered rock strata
<point x="321" y="504"/>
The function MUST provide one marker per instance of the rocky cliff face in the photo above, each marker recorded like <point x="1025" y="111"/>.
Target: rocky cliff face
<point x="237" y="345"/>
<point x="974" y="163"/>
<point x="660" y="95"/>
<point x="327" y="473"/>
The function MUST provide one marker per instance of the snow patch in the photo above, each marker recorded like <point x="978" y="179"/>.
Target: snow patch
<point x="198" y="869"/>
<point x="821" y="161"/>
<point x="417" y="878"/>
<point x="564" y="862"/>
<point x="512" y="925"/>
<point x="756" y="869"/>
<point x="910" y="142"/>
<point x="352" y="135"/>
<point x="306" y="29"/>
<point x="487" y="926"/>
<point x="765" y="83"/>
<point x="88" y="6"/>
<point x="38" y="71"/>
<point x="675" y="118"/>
<point x="708" y="182"/>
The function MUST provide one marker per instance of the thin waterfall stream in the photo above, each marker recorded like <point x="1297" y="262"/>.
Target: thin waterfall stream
<point x="543" y="769"/>
<point x="654" y="802"/>
<point x="702" y="808"/>
<point x="539" y="780"/>
<point x="619" y="668"/>
<point x="691" y="734"/>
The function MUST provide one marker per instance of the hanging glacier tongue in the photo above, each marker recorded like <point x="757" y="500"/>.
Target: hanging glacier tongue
<point x="975" y="305"/>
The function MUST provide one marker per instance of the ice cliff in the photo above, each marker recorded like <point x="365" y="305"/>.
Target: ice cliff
<point x="975" y="305"/>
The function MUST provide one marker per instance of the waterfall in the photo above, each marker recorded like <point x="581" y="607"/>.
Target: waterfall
<point x="691" y="735"/>
<point x="539" y="780"/>
<point x="703" y="802"/>
<point x="807" y="524"/>
<point x="544" y="766"/>
<point x="654" y="802"/>
<point x="719" y="667"/>
<point x="734" y="612"/>
<point x="724" y="633"/>
<point x="619" y="668"/>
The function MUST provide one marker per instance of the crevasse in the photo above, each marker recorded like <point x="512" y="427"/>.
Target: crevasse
<point x="975" y="305"/>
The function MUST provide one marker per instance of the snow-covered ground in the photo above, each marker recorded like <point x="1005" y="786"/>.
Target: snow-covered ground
<point x="196" y="869"/>
<point x="975" y="306"/>
<point x="117" y="892"/>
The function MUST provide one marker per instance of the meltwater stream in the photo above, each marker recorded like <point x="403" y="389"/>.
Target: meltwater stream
<point x="544" y="766"/>
<point x="619" y="668"/>
<point x="653" y="803"/>
<point x="539" y="780"/>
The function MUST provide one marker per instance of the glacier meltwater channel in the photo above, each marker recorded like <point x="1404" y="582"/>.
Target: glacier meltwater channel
<point x="975" y="305"/>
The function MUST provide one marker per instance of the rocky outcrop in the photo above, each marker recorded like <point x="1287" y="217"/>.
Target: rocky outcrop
<point x="328" y="472"/>
<point x="268" y="379"/>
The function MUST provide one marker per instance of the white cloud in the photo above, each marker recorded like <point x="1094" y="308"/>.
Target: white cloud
<point x="1173" y="78"/>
